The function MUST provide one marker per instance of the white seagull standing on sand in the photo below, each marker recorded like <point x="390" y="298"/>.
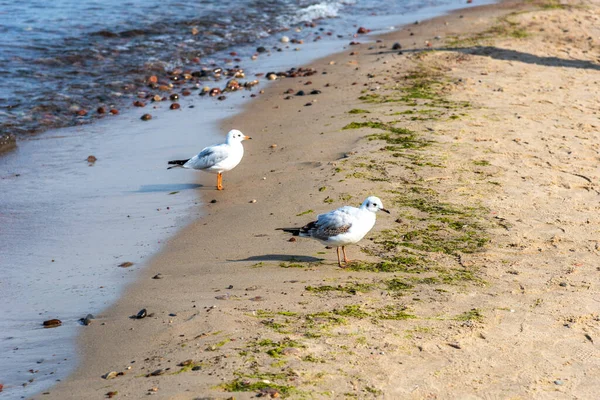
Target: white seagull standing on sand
<point x="218" y="158"/>
<point x="342" y="227"/>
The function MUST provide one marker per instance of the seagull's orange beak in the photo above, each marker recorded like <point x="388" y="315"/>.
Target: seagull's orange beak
<point x="247" y="138"/>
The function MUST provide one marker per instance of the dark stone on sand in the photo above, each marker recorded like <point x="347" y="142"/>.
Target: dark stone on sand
<point x="87" y="320"/>
<point x="157" y="372"/>
<point x="92" y="159"/>
<point x="308" y="105"/>
<point x="52" y="323"/>
<point x="221" y="98"/>
<point x="396" y="46"/>
<point x="363" y="30"/>
<point x="230" y="287"/>
<point x="101" y="110"/>
<point x="175" y="106"/>
<point x="157" y="276"/>
<point x="114" y="111"/>
<point x="174" y="96"/>
<point x="141" y="314"/>
<point x="293" y="239"/>
<point x="300" y="93"/>
<point x="316" y="92"/>
<point x="186" y="92"/>
<point x="196" y="368"/>
<point x="213" y="201"/>
<point x="138" y="103"/>
<point x="82" y="113"/>
<point x="146" y="117"/>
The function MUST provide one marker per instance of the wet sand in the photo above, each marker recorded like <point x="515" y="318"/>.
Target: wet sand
<point x="482" y="283"/>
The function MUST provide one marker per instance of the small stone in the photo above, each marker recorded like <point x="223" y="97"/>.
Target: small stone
<point x="110" y="375"/>
<point x="196" y="368"/>
<point x="82" y="113"/>
<point x="101" y="110"/>
<point x="186" y="92"/>
<point x="397" y="46"/>
<point x="308" y="104"/>
<point x="272" y="146"/>
<point x="261" y="49"/>
<point x="141" y="314"/>
<point x="257" y="298"/>
<point x="156" y="98"/>
<point x="363" y="30"/>
<point x="157" y="276"/>
<point x="315" y="92"/>
<point x="271" y="77"/>
<point x="153" y="79"/>
<point x="563" y="284"/>
<point x="52" y="323"/>
<point x="174" y="97"/>
<point x="292" y="239"/>
<point x="213" y="201"/>
<point x="253" y="201"/>
<point x="112" y="394"/>
<point x="300" y="93"/>
<point x="126" y="264"/>
<point x="92" y="159"/>
<point x="175" y="106"/>
<point x="146" y="117"/>
<point x="230" y="287"/>
<point x="87" y="320"/>
<point x="558" y="382"/>
<point x="157" y="372"/>
<point x="221" y="98"/>
<point x="285" y="39"/>
<point x="138" y="103"/>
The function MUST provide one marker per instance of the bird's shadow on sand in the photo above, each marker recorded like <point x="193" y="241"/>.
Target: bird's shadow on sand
<point x="168" y="187"/>
<point x="281" y="257"/>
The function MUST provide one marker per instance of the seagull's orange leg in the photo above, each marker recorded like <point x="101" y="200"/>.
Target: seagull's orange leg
<point x="345" y="258"/>
<point x="219" y="181"/>
<point x="337" y="249"/>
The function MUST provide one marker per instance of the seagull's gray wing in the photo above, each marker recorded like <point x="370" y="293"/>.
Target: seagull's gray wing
<point x="209" y="157"/>
<point x="332" y="223"/>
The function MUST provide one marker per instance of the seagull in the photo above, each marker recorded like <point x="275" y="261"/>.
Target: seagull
<point x="218" y="158"/>
<point x="342" y="227"/>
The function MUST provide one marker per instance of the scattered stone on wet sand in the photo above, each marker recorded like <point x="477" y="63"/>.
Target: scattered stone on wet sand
<point x="157" y="276"/>
<point x="141" y="314"/>
<point x="397" y="46"/>
<point x="82" y="113"/>
<point x="87" y="320"/>
<point x="174" y="97"/>
<point x="126" y="264"/>
<point x="362" y="30"/>
<point x="261" y="49"/>
<point x="52" y="323"/>
<point x="110" y="375"/>
<point x="92" y="159"/>
<point x="221" y="98"/>
<point x="138" y="103"/>
<point x="175" y="106"/>
<point x="156" y="98"/>
<point x="271" y="77"/>
<point x="146" y="117"/>
<point x="186" y="92"/>
<point x="157" y="372"/>
<point x="101" y="110"/>
<point x="285" y="39"/>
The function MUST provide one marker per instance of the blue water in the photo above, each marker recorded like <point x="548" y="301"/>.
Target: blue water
<point x="66" y="225"/>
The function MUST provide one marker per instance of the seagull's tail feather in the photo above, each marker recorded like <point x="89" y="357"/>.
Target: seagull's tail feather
<point x="177" y="163"/>
<point x="293" y="231"/>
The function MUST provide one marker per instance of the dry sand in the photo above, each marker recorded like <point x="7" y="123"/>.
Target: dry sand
<point x="483" y="283"/>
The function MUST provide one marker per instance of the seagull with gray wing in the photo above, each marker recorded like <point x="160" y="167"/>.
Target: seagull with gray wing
<point x="342" y="227"/>
<point x="218" y="158"/>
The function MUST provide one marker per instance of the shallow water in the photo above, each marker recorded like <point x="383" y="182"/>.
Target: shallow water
<point x="66" y="225"/>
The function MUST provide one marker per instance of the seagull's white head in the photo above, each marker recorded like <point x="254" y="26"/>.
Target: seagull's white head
<point x="235" y="136"/>
<point x="373" y="204"/>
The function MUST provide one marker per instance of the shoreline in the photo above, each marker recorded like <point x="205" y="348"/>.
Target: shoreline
<point x="190" y="317"/>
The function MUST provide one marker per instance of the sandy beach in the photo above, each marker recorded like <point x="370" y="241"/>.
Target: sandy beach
<point x="479" y="132"/>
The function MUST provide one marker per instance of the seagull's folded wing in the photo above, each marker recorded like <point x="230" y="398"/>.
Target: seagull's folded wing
<point x="333" y="223"/>
<point x="209" y="157"/>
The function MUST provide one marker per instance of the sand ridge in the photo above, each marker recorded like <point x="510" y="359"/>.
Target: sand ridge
<point x="483" y="282"/>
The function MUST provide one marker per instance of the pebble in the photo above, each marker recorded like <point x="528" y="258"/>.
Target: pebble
<point x="397" y="46"/>
<point x="101" y="110"/>
<point x="271" y="77"/>
<point x="186" y="92"/>
<point x="87" y="320"/>
<point x="175" y="106"/>
<point x="300" y="93"/>
<point x="213" y="201"/>
<point x="316" y="92"/>
<point x="92" y="159"/>
<point x="110" y="375"/>
<point x="146" y="117"/>
<point x="157" y="276"/>
<point x="563" y="284"/>
<point x="292" y="239"/>
<point x="558" y="382"/>
<point x="308" y="104"/>
<point x="126" y="264"/>
<point x="285" y="39"/>
<point x="82" y="113"/>
<point x="272" y="146"/>
<point x="138" y="103"/>
<point x="141" y="314"/>
<point x="174" y="96"/>
<point x="363" y="30"/>
<point x="253" y="201"/>
<point x="261" y="49"/>
<point x="52" y="323"/>
<point x="156" y="97"/>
